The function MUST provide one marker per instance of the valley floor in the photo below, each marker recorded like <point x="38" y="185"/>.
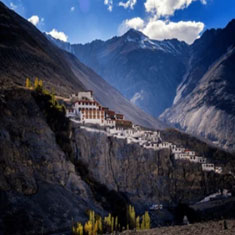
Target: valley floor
<point x="207" y="228"/>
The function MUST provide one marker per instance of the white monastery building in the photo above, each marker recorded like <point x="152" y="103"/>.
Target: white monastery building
<point x="85" y="109"/>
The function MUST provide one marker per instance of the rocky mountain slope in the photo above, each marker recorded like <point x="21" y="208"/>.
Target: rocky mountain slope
<point x="205" y="100"/>
<point x="145" y="71"/>
<point x="40" y="190"/>
<point x="26" y="52"/>
<point x="52" y="172"/>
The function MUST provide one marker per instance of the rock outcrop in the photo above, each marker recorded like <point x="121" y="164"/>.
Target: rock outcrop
<point x="204" y="104"/>
<point x="40" y="189"/>
<point x="146" y="177"/>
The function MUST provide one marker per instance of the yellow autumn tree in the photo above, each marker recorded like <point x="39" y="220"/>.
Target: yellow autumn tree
<point x="27" y="83"/>
<point x="147" y="220"/>
<point x="78" y="229"/>
<point x="92" y="217"/>
<point x="40" y="83"/>
<point x="36" y="82"/>
<point x="100" y="226"/>
<point x="145" y="224"/>
<point x="131" y="216"/>
<point x="138" y="223"/>
<point x="88" y="227"/>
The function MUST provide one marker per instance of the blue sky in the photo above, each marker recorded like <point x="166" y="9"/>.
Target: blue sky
<point x="81" y="21"/>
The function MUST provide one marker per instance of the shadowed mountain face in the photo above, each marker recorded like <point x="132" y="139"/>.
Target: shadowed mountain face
<point x="145" y="71"/>
<point x="26" y="52"/>
<point x="205" y="100"/>
<point x="193" y="86"/>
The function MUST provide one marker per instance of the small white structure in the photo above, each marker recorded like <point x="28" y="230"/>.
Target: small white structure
<point x="208" y="167"/>
<point x="182" y="156"/>
<point x="163" y="145"/>
<point x="201" y="159"/>
<point x="190" y="153"/>
<point x="174" y="149"/>
<point x="70" y="113"/>
<point x="218" y="170"/>
<point x="109" y="123"/>
<point x="197" y="159"/>
<point x="155" y="207"/>
<point x="83" y="95"/>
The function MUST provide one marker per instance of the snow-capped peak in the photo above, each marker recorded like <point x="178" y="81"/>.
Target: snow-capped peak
<point x="144" y="42"/>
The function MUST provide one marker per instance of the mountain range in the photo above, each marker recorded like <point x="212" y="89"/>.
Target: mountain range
<point x="53" y="171"/>
<point x="188" y="86"/>
<point x="26" y="52"/>
<point x="145" y="71"/>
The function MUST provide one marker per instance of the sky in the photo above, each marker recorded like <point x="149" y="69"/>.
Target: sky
<point x="82" y="21"/>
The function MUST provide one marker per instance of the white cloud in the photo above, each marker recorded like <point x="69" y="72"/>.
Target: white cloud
<point x="134" y="23"/>
<point x="13" y="6"/>
<point x="164" y="8"/>
<point x="129" y="4"/>
<point x="58" y="35"/>
<point x="34" y="19"/>
<point x="186" y="31"/>
<point x="159" y="27"/>
<point x="72" y="9"/>
<point x="137" y="96"/>
<point x="109" y="3"/>
<point x="18" y="7"/>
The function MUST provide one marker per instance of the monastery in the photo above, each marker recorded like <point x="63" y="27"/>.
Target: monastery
<point x="84" y="109"/>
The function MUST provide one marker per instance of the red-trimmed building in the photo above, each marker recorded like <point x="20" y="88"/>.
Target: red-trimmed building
<point x="85" y="108"/>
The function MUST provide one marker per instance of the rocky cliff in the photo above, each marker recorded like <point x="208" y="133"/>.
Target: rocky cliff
<point x="204" y="104"/>
<point x="39" y="187"/>
<point x="52" y="172"/>
<point x="145" y="176"/>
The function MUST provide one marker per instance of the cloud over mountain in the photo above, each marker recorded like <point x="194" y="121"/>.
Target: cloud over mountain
<point x="34" y="19"/>
<point x="158" y="26"/>
<point x="58" y="35"/>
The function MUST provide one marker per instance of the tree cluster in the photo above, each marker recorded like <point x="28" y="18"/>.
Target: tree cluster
<point x="98" y="225"/>
<point x="37" y="85"/>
